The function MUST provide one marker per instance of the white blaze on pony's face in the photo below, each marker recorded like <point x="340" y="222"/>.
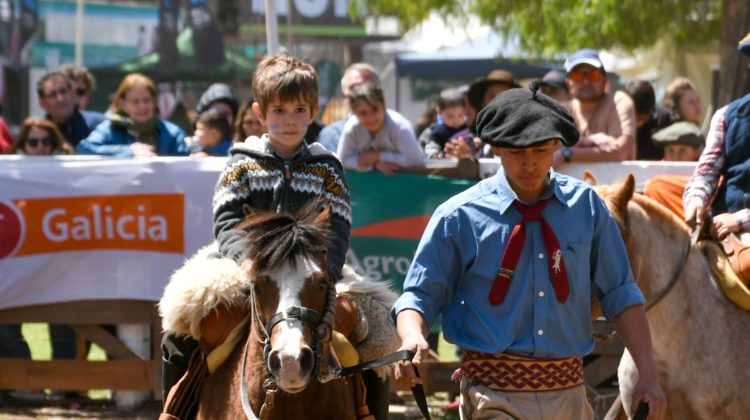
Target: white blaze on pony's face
<point x="292" y="360"/>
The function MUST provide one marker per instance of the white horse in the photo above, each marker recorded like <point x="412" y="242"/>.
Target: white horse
<point x="701" y="340"/>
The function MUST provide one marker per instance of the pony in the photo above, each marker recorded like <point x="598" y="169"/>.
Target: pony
<point x="700" y="339"/>
<point x="282" y="288"/>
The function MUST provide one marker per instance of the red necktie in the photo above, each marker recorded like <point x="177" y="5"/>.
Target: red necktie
<point x="513" y="252"/>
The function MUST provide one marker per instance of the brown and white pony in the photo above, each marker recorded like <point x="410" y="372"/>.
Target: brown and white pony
<point x="277" y="360"/>
<point x="701" y="341"/>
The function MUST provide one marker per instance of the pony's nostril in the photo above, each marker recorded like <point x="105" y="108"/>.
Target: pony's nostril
<point x="307" y="361"/>
<point x="274" y="362"/>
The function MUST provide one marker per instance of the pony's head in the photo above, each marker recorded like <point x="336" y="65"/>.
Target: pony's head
<point x="290" y="285"/>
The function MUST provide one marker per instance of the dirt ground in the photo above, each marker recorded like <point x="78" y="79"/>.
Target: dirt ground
<point x="105" y="409"/>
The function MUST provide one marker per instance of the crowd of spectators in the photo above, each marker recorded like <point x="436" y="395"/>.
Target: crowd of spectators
<point x="614" y="125"/>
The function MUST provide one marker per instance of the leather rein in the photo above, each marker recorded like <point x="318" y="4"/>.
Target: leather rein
<point x="653" y="300"/>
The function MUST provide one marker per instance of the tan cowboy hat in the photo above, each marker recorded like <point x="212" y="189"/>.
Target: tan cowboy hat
<point x="479" y="86"/>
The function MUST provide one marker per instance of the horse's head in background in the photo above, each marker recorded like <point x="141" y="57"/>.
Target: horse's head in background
<point x="290" y="284"/>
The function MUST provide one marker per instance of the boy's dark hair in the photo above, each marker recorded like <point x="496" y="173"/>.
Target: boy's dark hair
<point x="212" y="118"/>
<point x="449" y="98"/>
<point x="286" y="78"/>
<point x="643" y="96"/>
<point x="367" y="92"/>
<point x="49" y="76"/>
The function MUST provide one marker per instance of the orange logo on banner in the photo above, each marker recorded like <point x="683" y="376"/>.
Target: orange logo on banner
<point x="142" y="222"/>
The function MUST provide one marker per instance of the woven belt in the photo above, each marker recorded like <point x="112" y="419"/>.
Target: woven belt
<point x="512" y="373"/>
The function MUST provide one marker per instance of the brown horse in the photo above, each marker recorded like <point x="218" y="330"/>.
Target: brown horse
<point x="700" y="339"/>
<point x="276" y="363"/>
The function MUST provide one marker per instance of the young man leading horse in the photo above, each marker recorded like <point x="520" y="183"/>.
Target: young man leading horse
<point x="512" y="263"/>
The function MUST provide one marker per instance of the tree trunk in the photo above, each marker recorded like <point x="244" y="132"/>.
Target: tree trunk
<point x="734" y="80"/>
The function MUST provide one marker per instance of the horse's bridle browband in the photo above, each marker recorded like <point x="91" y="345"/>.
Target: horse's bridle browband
<point x="307" y="315"/>
<point x="652" y="301"/>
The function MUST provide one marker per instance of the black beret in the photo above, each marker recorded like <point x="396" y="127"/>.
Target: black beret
<point x="524" y="117"/>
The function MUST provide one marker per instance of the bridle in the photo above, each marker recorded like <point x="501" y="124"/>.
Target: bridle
<point x="320" y="325"/>
<point x="661" y="294"/>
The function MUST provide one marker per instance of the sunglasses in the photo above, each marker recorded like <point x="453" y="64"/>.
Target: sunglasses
<point x="46" y="141"/>
<point x="81" y="91"/>
<point x="579" y="75"/>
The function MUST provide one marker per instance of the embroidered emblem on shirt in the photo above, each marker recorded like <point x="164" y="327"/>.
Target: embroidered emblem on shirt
<point x="556" y="257"/>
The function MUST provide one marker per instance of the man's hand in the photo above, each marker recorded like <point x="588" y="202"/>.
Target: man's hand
<point x="142" y="149"/>
<point x="405" y="373"/>
<point x="649" y="392"/>
<point x="694" y="211"/>
<point x="412" y="330"/>
<point x="457" y="147"/>
<point x="723" y="225"/>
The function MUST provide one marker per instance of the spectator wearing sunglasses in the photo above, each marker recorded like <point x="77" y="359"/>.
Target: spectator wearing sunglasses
<point x="606" y="121"/>
<point x="56" y="97"/>
<point x="40" y="137"/>
<point x="81" y="81"/>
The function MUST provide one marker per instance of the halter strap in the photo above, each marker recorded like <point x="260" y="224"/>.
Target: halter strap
<point x="310" y="316"/>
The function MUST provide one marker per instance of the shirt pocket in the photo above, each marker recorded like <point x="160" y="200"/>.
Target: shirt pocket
<point x="577" y="258"/>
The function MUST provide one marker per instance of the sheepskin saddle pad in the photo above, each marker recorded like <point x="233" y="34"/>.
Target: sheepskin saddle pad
<point x="204" y="285"/>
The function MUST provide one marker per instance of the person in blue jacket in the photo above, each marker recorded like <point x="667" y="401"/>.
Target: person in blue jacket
<point x="133" y="128"/>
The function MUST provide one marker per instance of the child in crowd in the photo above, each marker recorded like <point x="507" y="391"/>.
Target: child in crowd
<point x="211" y="135"/>
<point x="378" y="138"/>
<point x="683" y="142"/>
<point x="278" y="171"/>
<point x="451" y="123"/>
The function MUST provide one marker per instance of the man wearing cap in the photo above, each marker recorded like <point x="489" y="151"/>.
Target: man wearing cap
<point x="512" y="263"/>
<point x="727" y="154"/>
<point x="606" y="121"/>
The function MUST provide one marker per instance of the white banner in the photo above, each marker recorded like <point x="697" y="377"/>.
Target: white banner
<point x="78" y="228"/>
<point x="75" y="229"/>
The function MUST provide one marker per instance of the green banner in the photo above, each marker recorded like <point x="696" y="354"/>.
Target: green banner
<point x="389" y="214"/>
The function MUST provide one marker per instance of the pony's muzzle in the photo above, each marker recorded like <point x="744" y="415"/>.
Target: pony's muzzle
<point x="292" y="371"/>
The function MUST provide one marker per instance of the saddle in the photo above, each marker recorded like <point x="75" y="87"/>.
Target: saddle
<point x="726" y="269"/>
<point x="738" y="255"/>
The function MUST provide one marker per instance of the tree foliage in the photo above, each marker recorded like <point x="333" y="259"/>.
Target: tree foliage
<point x="549" y="27"/>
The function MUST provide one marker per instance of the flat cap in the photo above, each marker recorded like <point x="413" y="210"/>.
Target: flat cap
<point x="682" y="132"/>
<point x="524" y="117"/>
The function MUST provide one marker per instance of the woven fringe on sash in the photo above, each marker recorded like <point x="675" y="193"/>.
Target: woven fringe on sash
<point x="511" y="373"/>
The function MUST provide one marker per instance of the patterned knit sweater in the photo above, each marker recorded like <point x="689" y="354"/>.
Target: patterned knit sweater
<point x="257" y="176"/>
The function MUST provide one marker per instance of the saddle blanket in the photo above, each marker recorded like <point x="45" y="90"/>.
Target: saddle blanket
<point x="511" y="373"/>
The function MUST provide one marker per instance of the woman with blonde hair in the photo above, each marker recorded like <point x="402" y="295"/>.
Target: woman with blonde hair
<point x="133" y="128"/>
<point x="682" y="99"/>
<point x="40" y="137"/>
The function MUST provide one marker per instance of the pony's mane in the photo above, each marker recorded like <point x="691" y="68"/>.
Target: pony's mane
<point x="275" y="238"/>
<point x="653" y="208"/>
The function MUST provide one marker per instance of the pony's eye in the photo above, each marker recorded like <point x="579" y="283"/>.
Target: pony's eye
<point x="256" y="287"/>
<point x="322" y="286"/>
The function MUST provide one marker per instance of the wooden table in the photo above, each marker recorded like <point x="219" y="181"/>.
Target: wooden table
<point x="124" y="369"/>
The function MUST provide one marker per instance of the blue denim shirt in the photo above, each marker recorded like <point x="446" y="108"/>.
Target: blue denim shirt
<point x="459" y="255"/>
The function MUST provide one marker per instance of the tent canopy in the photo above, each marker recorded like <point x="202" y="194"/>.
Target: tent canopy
<point x="472" y="58"/>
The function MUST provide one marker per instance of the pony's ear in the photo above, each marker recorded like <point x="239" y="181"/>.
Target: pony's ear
<point x="323" y="218"/>
<point x="588" y="177"/>
<point x="247" y="210"/>
<point x="623" y="195"/>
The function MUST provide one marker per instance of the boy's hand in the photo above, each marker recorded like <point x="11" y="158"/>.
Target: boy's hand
<point x="723" y="225"/>
<point x="457" y="147"/>
<point x="142" y="149"/>
<point x="404" y="371"/>
<point x="388" y="168"/>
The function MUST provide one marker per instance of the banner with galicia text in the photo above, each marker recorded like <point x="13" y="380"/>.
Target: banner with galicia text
<point x="80" y="229"/>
